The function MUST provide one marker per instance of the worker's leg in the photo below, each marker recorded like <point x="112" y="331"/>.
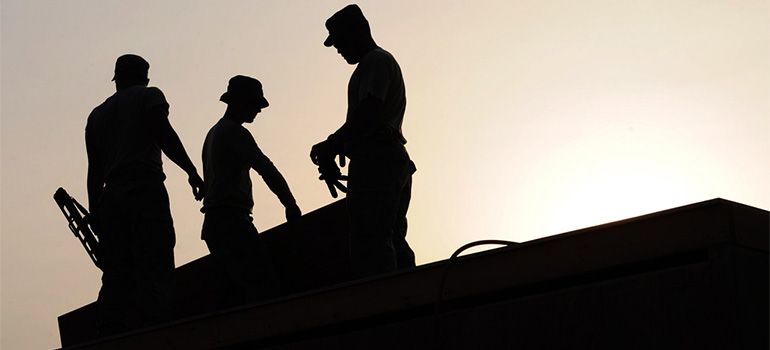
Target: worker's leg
<point x="116" y="295"/>
<point x="153" y="250"/>
<point x="241" y="257"/>
<point x="373" y="197"/>
<point x="404" y="253"/>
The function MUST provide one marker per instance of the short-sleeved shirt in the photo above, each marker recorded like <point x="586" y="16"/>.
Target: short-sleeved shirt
<point x="119" y="132"/>
<point x="229" y="153"/>
<point x="379" y="75"/>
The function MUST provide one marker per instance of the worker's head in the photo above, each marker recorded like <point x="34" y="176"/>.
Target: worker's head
<point x="131" y="70"/>
<point x="349" y="33"/>
<point x="244" y="98"/>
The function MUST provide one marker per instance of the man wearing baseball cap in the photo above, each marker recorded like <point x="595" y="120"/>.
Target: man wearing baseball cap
<point x="380" y="171"/>
<point x="125" y="136"/>
<point x="229" y="153"/>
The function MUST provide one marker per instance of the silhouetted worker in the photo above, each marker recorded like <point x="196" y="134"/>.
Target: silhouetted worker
<point x="229" y="153"/>
<point x="128" y="200"/>
<point x="380" y="171"/>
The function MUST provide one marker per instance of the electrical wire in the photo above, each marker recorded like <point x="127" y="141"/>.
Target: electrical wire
<point x="439" y="295"/>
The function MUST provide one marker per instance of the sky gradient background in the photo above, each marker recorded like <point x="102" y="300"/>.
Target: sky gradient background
<point x="525" y="118"/>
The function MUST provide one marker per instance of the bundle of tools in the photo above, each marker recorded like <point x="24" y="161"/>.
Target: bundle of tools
<point x="331" y="174"/>
<point x="322" y="154"/>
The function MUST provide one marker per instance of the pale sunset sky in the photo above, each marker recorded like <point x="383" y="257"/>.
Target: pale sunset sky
<point x="526" y="118"/>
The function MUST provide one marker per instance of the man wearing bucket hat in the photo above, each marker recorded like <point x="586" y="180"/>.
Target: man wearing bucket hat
<point x="229" y="153"/>
<point x="380" y="171"/>
<point x="127" y="198"/>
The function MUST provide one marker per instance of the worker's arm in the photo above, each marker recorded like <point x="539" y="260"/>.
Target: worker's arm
<point x="169" y="142"/>
<point x="278" y="185"/>
<point x="247" y="148"/>
<point x="374" y="81"/>
<point x="95" y="177"/>
<point x="373" y="84"/>
<point x="367" y="117"/>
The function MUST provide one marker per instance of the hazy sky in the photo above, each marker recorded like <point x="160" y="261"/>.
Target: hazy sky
<point x="526" y="118"/>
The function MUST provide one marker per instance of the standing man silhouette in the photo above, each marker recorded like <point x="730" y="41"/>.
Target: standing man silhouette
<point x="380" y="171"/>
<point x="229" y="153"/>
<point x="128" y="200"/>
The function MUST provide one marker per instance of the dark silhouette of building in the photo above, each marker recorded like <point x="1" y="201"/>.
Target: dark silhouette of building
<point x="685" y="278"/>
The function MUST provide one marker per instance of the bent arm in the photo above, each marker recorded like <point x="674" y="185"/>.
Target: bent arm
<point x="367" y="117"/>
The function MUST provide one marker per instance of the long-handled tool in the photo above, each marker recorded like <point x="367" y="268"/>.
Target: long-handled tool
<point x="76" y="219"/>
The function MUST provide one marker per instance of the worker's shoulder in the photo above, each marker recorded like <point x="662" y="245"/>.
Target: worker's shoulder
<point x="153" y="90"/>
<point x="377" y="54"/>
<point x="152" y="94"/>
<point x="138" y="93"/>
<point x="378" y="58"/>
<point x="229" y="131"/>
<point x="105" y="105"/>
<point x="151" y="97"/>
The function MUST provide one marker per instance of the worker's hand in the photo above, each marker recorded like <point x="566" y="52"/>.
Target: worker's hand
<point x="331" y="174"/>
<point x="197" y="186"/>
<point x="332" y="183"/>
<point x="293" y="213"/>
<point x="92" y="219"/>
<point x="321" y="152"/>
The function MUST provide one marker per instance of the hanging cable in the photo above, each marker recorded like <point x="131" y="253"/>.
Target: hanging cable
<point x="437" y="306"/>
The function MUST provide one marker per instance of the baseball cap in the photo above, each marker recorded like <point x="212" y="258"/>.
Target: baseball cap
<point x="130" y="66"/>
<point x="350" y="18"/>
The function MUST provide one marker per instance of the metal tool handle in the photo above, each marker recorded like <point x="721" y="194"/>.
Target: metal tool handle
<point x="75" y="214"/>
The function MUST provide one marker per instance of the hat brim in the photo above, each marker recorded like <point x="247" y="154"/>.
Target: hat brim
<point x="260" y="101"/>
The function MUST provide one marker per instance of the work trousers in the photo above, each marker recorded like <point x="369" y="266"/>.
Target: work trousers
<point x="379" y="191"/>
<point x="247" y="271"/>
<point x="136" y="255"/>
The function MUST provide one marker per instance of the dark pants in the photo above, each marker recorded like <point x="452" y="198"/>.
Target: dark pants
<point x="248" y="274"/>
<point x="379" y="191"/>
<point x="136" y="252"/>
